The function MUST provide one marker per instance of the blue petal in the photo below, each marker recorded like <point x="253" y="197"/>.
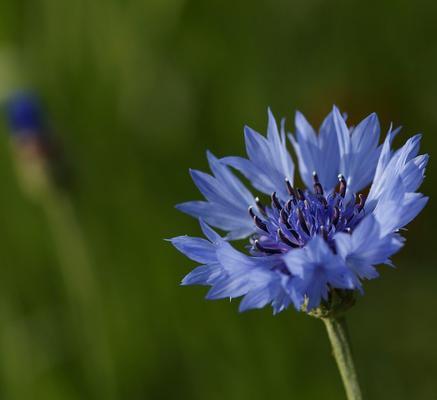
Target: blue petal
<point x="365" y="247"/>
<point x="316" y="153"/>
<point x="391" y="198"/>
<point x="260" y="296"/>
<point x="414" y="172"/>
<point x="306" y="147"/>
<point x="229" y="287"/>
<point x="294" y="293"/>
<point x="329" y="157"/>
<point x="315" y="268"/>
<point x="412" y="205"/>
<point x="281" y="302"/>
<point x="239" y="279"/>
<point x="227" y="200"/>
<point x="197" y="249"/>
<point x="394" y="214"/>
<point x="282" y="160"/>
<point x="359" y="150"/>
<point x="212" y="235"/>
<point x="239" y="225"/>
<point x="228" y="180"/>
<point x="257" y="176"/>
<point x="269" y="162"/>
<point x="203" y="275"/>
<point x="403" y="164"/>
<point x="386" y="153"/>
<point x="249" y="276"/>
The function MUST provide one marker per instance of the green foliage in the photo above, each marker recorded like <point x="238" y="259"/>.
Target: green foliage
<point x="137" y="90"/>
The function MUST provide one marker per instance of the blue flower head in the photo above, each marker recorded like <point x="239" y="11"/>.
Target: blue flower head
<point x="306" y="246"/>
<point x="25" y="116"/>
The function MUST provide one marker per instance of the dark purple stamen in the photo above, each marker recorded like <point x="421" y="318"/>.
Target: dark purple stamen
<point x="300" y="194"/>
<point x="284" y="218"/>
<point x="361" y="202"/>
<point x="260" y="205"/>
<point x="275" y="201"/>
<point x="302" y="221"/>
<point x="290" y="188"/>
<point x="261" y="225"/>
<point x="265" y="249"/>
<point x="285" y="239"/>
<point x="257" y="220"/>
<point x="293" y="221"/>
<point x="324" y="233"/>
<point x="336" y="216"/>
<point x="342" y="186"/>
<point x="323" y="201"/>
<point x="295" y="234"/>
<point x="318" y="189"/>
<point x="288" y="205"/>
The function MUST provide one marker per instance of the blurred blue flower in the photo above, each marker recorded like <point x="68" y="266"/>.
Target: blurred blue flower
<point x="25" y="116"/>
<point x="305" y="243"/>
<point x="33" y="140"/>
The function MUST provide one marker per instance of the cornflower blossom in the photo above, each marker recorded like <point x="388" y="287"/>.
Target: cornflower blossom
<point x="305" y="245"/>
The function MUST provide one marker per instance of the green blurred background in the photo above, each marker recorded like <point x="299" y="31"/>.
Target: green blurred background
<point x="137" y="90"/>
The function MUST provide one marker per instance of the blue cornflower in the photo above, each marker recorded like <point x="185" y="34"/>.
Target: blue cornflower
<point x="309" y="245"/>
<point x="25" y="114"/>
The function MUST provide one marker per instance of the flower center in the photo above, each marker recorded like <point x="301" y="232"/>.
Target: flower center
<point x="291" y="224"/>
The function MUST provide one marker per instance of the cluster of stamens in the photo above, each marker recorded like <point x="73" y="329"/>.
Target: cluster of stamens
<point x="291" y="224"/>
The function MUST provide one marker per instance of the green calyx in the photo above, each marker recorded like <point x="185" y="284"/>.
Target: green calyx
<point x="339" y="301"/>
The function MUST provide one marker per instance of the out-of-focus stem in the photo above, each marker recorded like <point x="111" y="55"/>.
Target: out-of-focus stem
<point x="82" y="289"/>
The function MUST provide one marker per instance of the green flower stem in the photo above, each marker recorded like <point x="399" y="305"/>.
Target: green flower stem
<point x="338" y="335"/>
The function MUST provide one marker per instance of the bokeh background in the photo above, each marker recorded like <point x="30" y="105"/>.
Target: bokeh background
<point x="90" y="306"/>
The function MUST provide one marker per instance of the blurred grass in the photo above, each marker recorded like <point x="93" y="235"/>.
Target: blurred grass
<point x="137" y="91"/>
